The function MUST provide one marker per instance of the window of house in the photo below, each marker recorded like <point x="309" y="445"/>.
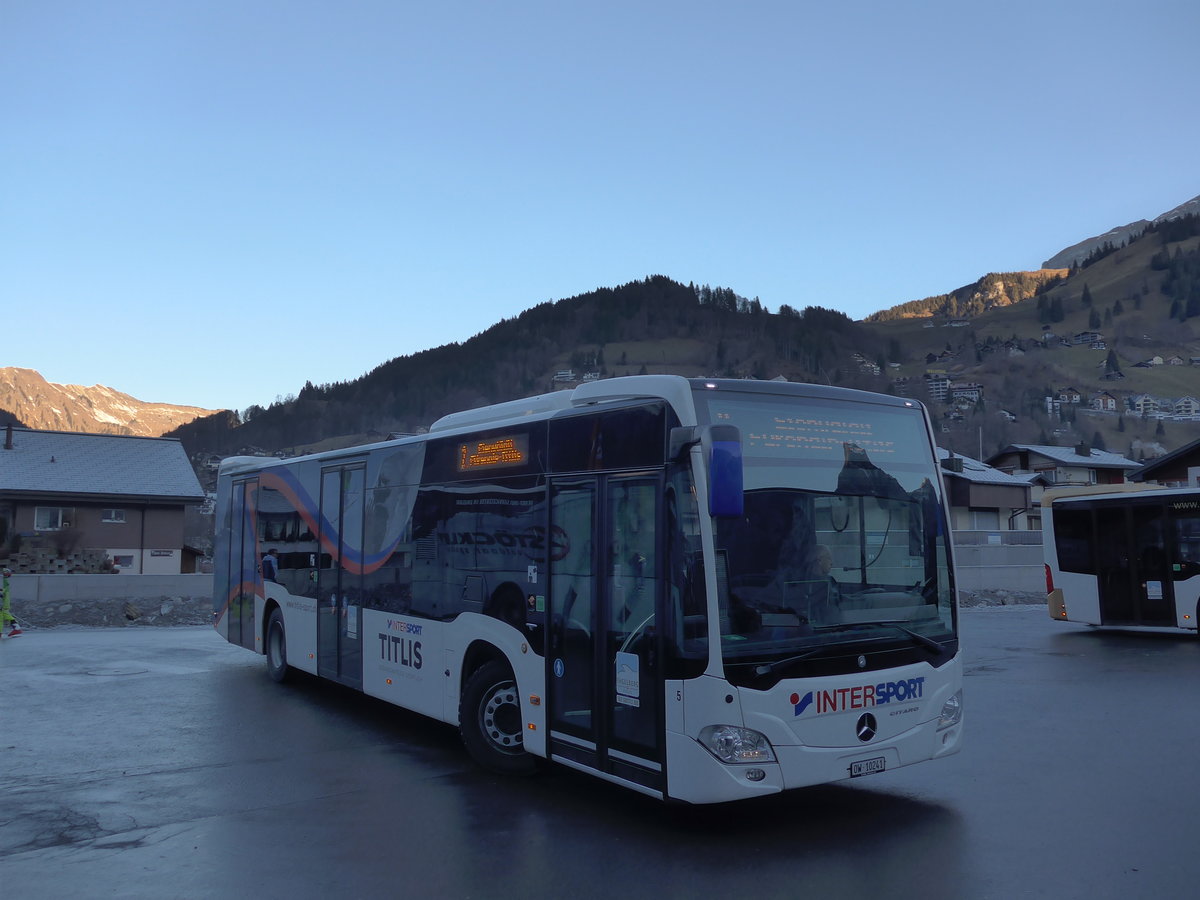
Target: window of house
<point x="985" y="519"/>
<point x="112" y="515"/>
<point x="53" y="518"/>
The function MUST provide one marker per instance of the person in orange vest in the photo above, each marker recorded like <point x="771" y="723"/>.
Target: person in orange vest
<point x="7" y="619"/>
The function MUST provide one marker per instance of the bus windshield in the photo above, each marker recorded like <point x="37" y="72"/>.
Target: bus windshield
<point x="842" y="545"/>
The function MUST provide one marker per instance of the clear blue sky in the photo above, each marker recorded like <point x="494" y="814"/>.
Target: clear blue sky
<point x="209" y="203"/>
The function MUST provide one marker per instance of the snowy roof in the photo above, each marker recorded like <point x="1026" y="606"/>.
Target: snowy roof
<point x="1099" y="459"/>
<point x="980" y="473"/>
<point x="60" y="462"/>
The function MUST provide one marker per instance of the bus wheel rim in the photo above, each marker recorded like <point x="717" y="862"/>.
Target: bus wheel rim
<point x="500" y="717"/>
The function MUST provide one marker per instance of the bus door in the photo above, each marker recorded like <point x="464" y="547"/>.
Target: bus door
<point x="339" y="575"/>
<point x="604" y="659"/>
<point x="1132" y="566"/>
<point x="1154" y="594"/>
<point x="244" y="576"/>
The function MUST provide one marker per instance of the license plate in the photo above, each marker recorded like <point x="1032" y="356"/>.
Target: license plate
<point x="868" y="766"/>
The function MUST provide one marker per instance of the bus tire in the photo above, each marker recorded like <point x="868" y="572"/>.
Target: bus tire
<point x="277" y="665"/>
<point x="490" y="721"/>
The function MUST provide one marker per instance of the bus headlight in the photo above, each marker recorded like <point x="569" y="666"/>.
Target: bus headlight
<point x="731" y="744"/>
<point x="951" y="712"/>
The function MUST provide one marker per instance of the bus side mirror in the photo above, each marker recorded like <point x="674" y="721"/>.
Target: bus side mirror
<point x="725" y="471"/>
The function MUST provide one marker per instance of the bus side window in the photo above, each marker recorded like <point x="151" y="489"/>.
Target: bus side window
<point x="1187" y="548"/>
<point x="1073" y="537"/>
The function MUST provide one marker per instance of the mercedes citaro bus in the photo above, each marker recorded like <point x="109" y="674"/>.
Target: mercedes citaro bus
<point x="702" y="590"/>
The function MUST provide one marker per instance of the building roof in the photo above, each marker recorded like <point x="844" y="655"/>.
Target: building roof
<point x="1098" y="459"/>
<point x="1151" y="469"/>
<point x="74" y="463"/>
<point x="979" y="473"/>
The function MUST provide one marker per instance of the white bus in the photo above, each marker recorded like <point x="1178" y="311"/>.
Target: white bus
<point x="702" y="590"/>
<point x="1124" y="555"/>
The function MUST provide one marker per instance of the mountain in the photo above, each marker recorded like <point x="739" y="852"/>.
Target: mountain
<point x="989" y="292"/>
<point x="1077" y="253"/>
<point x="1110" y="325"/>
<point x="39" y="403"/>
<point x="655" y="325"/>
<point x="1123" y="323"/>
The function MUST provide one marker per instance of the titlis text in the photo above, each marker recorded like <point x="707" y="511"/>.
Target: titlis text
<point x="395" y="648"/>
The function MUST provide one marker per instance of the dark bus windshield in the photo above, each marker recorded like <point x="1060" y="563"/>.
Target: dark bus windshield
<point x="842" y="546"/>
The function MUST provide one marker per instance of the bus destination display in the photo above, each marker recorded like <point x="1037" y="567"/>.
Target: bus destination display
<point x="498" y="453"/>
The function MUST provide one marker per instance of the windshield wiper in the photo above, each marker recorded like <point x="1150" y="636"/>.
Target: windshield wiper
<point x="768" y="668"/>
<point x="927" y="642"/>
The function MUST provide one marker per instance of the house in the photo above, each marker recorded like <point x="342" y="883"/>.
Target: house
<point x="1070" y="395"/>
<point x="1063" y="465"/>
<point x="1180" y="468"/>
<point x="1174" y="360"/>
<point x="1186" y="406"/>
<point x="1086" y="337"/>
<point x="969" y="392"/>
<point x="1143" y="404"/>
<point x="68" y="500"/>
<point x="983" y="498"/>
<point x="1105" y="402"/>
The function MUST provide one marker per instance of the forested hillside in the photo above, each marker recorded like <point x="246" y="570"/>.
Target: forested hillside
<point x="655" y="325"/>
<point x="1118" y="324"/>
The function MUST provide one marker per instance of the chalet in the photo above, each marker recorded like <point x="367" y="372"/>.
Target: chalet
<point x="1105" y="402"/>
<point x="983" y="498"/>
<point x="68" y="494"/>
<point x="1143" y="404"/>
<point x="1186" y="406"/>
<point x="1180" y="468"/>
<point x="1063" y="465"/>
<point x="1070" y="395"/>
<point x="1174" y="360"/>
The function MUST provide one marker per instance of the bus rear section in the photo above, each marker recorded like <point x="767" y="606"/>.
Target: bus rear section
<point x="1125" y="556"/>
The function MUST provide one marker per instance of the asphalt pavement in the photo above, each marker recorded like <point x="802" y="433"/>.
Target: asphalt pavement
<point x="162" y="762"/>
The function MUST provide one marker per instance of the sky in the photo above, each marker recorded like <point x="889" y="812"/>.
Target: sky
<point x="211" y="203"/>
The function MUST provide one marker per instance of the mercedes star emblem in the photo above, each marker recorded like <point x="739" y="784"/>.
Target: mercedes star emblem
<point x="866" y="727"/>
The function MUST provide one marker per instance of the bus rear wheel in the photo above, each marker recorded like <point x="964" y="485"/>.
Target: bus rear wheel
<point x="277" y="666"/>
<point x="490" y="721"/>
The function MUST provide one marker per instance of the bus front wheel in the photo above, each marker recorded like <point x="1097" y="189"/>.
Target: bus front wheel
<point x="277" y="666"/>
<point x="490" y="721"/>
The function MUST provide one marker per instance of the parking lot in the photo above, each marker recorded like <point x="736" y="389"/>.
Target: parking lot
<point x="161" y="762"/>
